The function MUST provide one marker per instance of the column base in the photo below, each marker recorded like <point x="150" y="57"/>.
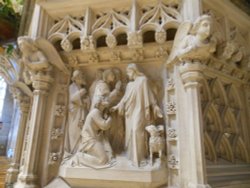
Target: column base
<point x="24" y="185"/>
<point x="193" y="185"/>
<point x="26" y="181"/>
<point x="11" y="176"/>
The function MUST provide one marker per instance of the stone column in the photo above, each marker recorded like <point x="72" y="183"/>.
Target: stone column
<point x="24" y="106"/>
<point x="28" y="178"/>
<point x="191" y="75"/>
<point x="191" y="9"/>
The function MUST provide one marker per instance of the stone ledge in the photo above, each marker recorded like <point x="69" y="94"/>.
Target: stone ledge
<point x="121" y="175"/>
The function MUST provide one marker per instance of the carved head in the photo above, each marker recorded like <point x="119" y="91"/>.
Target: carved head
<point x="109" y="76"/>
<point x="202" y="27"/>
<point x="78" y="78"/>
<point x="98" y="74"/>
<point x="102" y="103"/>
<point x="26" y="45"/>
<point x="118" y="73"/>
<point x="133" y="72"/>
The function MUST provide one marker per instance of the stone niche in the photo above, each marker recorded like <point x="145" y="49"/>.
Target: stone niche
<point x="121" y="143"/>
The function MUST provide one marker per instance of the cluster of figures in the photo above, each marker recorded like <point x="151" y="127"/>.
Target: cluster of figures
<point x="106" y="120"/>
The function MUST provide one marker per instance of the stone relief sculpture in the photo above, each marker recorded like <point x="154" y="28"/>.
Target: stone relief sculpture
<point x="101" y="138"/>
<point x="98" y="77"/>
<point x="79" y="104"/>
<point x="156" y="140"/>
<point x="104" y="87"/>
<point x="94" y="149"/>
<point x="38" y="55"/>
<point x="139" y="107"/>
<point x="194" y="41"/>
<point x="116" y="133"/>
<point x="233" y="51"/>
<point x="110" y="87"/>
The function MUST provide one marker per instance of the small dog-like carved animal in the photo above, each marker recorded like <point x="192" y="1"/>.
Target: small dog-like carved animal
<point x="156" y="140"/>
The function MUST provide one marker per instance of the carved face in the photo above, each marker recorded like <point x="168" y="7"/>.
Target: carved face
<point x="110" y="77"/>
<point x="204" y="29"/>
<point x="79" y="80"/>
<point x="25" y="47"/>
<point x="130" y="74"/>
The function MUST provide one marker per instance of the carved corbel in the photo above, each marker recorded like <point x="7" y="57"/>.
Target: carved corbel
<point x="191" y="73"/>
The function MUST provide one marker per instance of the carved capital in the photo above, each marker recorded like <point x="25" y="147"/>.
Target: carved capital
<point x="41" y="82"/>
<point x="191" y="73"/>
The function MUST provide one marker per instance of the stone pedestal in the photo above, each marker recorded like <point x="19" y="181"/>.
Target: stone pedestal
<point x="122" y="175"/>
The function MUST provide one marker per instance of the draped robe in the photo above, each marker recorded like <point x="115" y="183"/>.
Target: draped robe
<point x="137" y="100"/>
<point x="78" y="109"/>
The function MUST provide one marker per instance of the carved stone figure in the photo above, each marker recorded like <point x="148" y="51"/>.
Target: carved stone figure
<point x="193" y="41"/>
<point x="156" y="140"/>
<point x="110" y="87"/>
<point x="116" y="133"/>
<point x="104" y="88"/>
<point x="32" y="57"/>
<point x="197" y="43"/>
<point x="139" y="107"/>
<point x="79" y="103"/>
<point x="38" y="55"/>
<point x="94" y="150"/>
<point x="98" y="77"/>
<point x="233" y="52"/>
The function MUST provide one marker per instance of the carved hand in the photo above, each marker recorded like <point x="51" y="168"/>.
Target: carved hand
<point x="118" y="85"/>
<point x="83" y="91"/>
<point x="157" y="112"/>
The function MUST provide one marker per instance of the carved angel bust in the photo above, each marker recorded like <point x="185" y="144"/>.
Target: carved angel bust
<point x="32" y="57"/>
<point x="38" y="55"/>
<point x="193" y="41"/>
<point x="197" y="44"/>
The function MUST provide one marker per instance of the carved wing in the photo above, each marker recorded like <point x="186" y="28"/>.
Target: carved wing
<point x="23" y="87"/>
<point x="182" y="31"/>
<point x="52" y="55"/>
